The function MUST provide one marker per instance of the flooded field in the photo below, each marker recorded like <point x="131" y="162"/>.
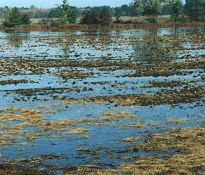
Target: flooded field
<point x="103" y="102"/>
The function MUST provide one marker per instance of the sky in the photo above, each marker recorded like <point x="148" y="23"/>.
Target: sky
<point x="52" y="3"/>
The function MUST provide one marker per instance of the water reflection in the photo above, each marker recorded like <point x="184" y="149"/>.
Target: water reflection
<point x="150" y="49"/>
<point x="104" y="143"/>
<point x="105" y="37"/>
<point x="16" y="39"/>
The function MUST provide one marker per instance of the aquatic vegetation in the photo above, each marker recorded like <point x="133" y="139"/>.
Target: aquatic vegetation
<point x="177" y="121"/>
<point x="186" y="95"/>
<point x="139" y="124"/>
<point x="23" y="118"/>
<point x="73" y="74"/>
<point x="77" y="131"/>
<point x="102" y="102"/>
<point x="189" y="157"/>
<point x="6" y="82"/>
<point x="112" y="116"/>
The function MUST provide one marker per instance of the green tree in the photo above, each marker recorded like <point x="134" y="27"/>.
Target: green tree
<point x="65" y="9"/>
<point x="165" y="9"/>
<point x="152" y="7"/>
<point x="25" y="19"/>
<point x="89" y="17"/>
<point x="175" y="8"/>
<point x="117" y="13"/>
<point x="69" y="14"/>
<point x="195" y="9"/>
<point x="126" y="11"/>
<point x="138" y="8"/>
<point x="56" y="13"/>
<point x="105" y="17"/>
<point x="4" y="11"/>
<point x="73" y="17"/>
<point x="14" y="17"/>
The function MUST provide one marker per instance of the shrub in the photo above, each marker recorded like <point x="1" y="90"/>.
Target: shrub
<point x="105" y="17"/>
<point x="15" y="18"/>
<point x="89" y="17"/>
<point x="25" y="19"/>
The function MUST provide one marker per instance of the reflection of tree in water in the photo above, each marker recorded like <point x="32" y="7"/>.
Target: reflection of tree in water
<point x="73" y="44"/>
<point x="16" y="39"/>
<point x="66" y="50"/>
<point x="198" y="33"/>
<point x="90" y="37"/>
<point x="105" y="37"/>
<point x="66" y="41"/>
<point x="176" y="38"/>
<point x="98" y="37"/>
<point x="151" y="48"/>
<point x="118" y="34"/>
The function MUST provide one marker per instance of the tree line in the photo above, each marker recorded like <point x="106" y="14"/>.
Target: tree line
<point x="191" y="10"/>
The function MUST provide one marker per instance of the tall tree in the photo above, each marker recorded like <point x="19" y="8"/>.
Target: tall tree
<point x="125" y="10"/>
<point x="89" y="17"/>
<point x="14" y="17"/>
<point x="66" y="9"/>
<point x="4" y="12"/>
<point x="105" y="17"/>
<point x="152" y="7"/>
<point x="175" y="8"/>
<point x="195" y="9"/>
<point x="117" y="13"/>
<point x="56" y="13"/>
<point x="73" y="16"/>
<point x="25" y="19"/>
<point x="69" y="14"/>
<point x="138" y="8"/>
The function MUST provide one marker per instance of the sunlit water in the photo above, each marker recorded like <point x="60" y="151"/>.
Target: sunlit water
<point x="101" y="45"/>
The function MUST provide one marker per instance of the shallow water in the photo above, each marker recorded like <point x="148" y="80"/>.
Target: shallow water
<point x="103" y="143"/>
